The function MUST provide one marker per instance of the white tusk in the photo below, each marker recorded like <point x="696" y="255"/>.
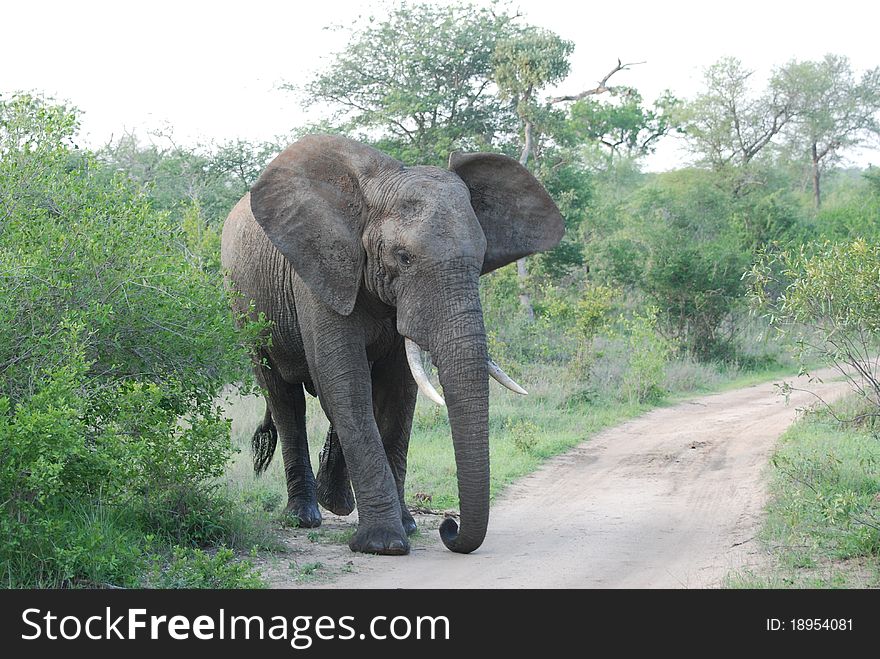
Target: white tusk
<point x="502" y="377"/>
<point x="414" y="357"/>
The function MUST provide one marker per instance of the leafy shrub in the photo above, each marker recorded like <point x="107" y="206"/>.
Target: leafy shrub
<point x="591" y="314"/>
<point x="115" y="340"/>
<point x="523" y="433"/>
<point x="851" y="212"/>
<point x="429" y="417"/>
<point x="830" y="302"/>
<point x="648" y="355"/>
<point x="677" y="245"/>
<point x="195" y="568"/>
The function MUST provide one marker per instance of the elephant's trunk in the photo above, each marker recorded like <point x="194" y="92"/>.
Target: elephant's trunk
<point x="458" y="348"/>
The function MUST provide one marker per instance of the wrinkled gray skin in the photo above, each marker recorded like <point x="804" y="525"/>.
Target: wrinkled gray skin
<point x="348" y="252"/>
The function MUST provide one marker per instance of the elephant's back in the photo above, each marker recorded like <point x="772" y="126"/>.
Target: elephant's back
<point x="252" y="264"/>
<point x="241" y="234"/>
<point x="261" y="276"/>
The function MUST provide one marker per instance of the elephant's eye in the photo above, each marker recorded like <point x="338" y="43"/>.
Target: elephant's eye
<point x="404" y="258"/>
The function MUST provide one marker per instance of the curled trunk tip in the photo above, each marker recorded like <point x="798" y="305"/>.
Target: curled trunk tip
<point x="454" y="542"/>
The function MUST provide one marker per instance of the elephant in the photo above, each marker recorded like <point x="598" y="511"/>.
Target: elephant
<point x="361" y="263"/>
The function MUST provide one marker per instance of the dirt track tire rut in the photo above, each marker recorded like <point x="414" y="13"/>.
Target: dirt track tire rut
<point x="672" y="499"/>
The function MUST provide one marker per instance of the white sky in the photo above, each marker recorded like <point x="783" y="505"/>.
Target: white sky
<point x="211" y="69"/>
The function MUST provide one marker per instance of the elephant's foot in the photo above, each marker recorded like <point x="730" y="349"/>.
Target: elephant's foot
<point x="333" y="483"/>
<point x="379" y="539"/>
<point x="306" y="512"/>
<point x="409" y="524"/>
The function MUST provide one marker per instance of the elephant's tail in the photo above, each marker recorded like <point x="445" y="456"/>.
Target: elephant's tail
<point x="263" y="443"/>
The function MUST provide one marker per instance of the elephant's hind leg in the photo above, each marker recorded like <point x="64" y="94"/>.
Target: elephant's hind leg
<point x="288" y="408"/>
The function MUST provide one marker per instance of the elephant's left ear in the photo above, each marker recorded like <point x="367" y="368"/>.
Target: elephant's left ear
<point x="517" y="215"/>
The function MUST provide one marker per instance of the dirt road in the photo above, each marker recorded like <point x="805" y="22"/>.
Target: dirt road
<point x="672" y="499"/>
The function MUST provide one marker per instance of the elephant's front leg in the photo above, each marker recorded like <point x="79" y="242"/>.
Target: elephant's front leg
<point x="341" y="374"/>
<point x="394" y="402"/>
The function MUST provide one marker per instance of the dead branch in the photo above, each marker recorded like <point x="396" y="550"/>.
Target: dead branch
<point x="602" y="88"/>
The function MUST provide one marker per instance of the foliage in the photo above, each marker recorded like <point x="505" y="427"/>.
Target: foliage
<point x="523" y="63"/>
<point x="419" y="79"/>
<point x="178" y="180"/>
<point x="832" y="110"/>
<point x="676" y="245"/>
<point x="729" y="124"/>
<point x="527" y="60"/>
<point x="850" y="208"/>
<point x="570" y="184"/>
<point x="648" y="353"/>
<point x="819" y="108"/>
<point x="830" y="301"/>
<point x="823" y="521"/>
<point x="872" y="176"/>
<point x="765" y="216"/>
<point x="523" y="433"/>
<point x="114" y="342"/>
<point x="589" y="315"/>
<point x="195" y="568"/>
<point x="623" y="125"/>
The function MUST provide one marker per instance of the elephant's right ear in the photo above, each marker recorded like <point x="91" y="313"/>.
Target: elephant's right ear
<point x="309" y="203"/>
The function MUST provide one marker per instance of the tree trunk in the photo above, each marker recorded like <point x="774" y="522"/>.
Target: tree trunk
<point x="817" y="195"/>
<point x="527" y="147"/>
<point x="525" y="300"/>
<point x="522" y="271"/>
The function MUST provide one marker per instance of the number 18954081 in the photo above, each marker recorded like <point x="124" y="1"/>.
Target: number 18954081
<point x="810" y="624"/>
<point x="824" y="624"/>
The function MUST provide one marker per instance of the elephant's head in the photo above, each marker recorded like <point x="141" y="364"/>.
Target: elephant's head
<point x="352" y="220"/>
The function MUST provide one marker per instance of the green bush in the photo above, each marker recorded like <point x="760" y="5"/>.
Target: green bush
<point x="830" y="303"/>
<point x="678" y="246"/>
<point x="852" y="211"/>
<point x="194" y="568"/>
<point x="115" y="339"/>
<point x="588" y="316"/>
<point x="648" y="354"/>
<point x="523" y="433"/>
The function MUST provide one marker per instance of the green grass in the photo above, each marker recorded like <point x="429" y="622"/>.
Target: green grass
<point x="823" y="521"/>
<point x="87" y="544"/>
<point x="307" y="571"/>
<point x="557" y="415"/>
<point x="96" y="545"/>
<point x="331" y="537"/>
<point x="195" y="568"/>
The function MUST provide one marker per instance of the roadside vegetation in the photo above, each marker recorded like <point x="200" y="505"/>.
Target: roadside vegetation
<point x="126" y="403"/>
<point x="823" y="521"/>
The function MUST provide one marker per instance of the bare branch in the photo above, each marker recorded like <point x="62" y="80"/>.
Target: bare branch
<point x="602" y="88"/>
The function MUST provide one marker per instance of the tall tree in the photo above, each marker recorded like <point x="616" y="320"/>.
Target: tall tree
<point x="729" y="124"/>
<point x="523" y="64"/>
<point x="833" y="110"/>
<point x="419" y="80"/>
<point x="624" y="125"/>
